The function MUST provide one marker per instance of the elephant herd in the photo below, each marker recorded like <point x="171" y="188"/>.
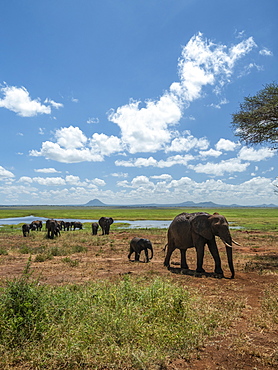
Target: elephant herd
<point x="187" y="230"/>
<point x="54" y="227"/>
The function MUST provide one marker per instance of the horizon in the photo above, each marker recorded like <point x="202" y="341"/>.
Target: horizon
<point x="132" y="102"/>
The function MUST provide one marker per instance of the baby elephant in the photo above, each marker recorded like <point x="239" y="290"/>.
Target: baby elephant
<point x="139" y="244"/>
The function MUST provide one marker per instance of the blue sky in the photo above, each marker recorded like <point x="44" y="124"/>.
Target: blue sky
<point x="130" y="101"/>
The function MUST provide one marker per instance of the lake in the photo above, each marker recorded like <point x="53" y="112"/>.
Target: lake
<point x="140" y="224"/>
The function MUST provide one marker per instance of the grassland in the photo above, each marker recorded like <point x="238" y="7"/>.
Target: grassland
<point x="249" y="218"/>
<point x="76" y="302"/>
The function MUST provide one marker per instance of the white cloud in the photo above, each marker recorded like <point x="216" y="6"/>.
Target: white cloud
<point x="53" y="103"/>
<point x="185" y="144"/>
<point x="151" y="162"/>
<point x="49" y="181"/>
<point x="210" y="153"/>
<point x="164" y="176"/>
<point x="53" y="151"/>
<point x="142" y="182"/>
<point x="250" y="154"/>
<point x="5" y="174"/>
<point x="202" y="61"/>
<point x="146" y="129"/>
<point x="26" y="179"/>
<point x="46" y="170"/>
<point x="227" y="145"/>
<point x="106" y="145"/>
<point x="93" y="120"/>
<point x="17" y="99"/>
<point x="266" y="52"/>
<point x="218" y="169"/>
<point x="70" y="137"/>
<point x="119" y="174"/>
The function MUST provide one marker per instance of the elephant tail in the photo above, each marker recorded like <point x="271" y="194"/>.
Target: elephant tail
<point x="165" y="246"/>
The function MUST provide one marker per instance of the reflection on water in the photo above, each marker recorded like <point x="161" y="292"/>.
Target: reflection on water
<point x="140" y="224"/>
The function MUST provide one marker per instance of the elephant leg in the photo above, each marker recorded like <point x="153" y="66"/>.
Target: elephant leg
<point x="215" y="254"/>
<point x="137" y="256"/>
<point x="200" y="258"/>
<point x="184" y="264"/>
<point x="146" y="254"/>
<point x="170" y="250"/>
<point x="130" y="252"/>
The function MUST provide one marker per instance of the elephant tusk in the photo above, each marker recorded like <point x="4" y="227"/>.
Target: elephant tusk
<point x="227" y="245"/>
<point x="236" y="243"/>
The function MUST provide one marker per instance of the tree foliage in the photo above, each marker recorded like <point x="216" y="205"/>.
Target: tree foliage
<point x="257" y="120"/>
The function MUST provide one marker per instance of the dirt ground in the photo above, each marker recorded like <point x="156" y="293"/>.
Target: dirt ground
<point x="245" y="345"/>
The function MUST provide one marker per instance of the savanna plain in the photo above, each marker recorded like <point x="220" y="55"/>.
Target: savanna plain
<point x="77" y="302"/>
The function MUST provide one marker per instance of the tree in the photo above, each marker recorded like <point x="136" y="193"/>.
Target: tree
<point x="257" y="120"/>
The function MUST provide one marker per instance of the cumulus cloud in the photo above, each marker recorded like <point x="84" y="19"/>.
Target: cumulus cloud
<point x="210" y="153"/>
<point x="146" y="129"/>
<point x="227" y="145"/>
<point x="164" y="176"/>
<point x="17" y="99"/>
<point x="219" y="169"/>
<point x="250" y="154"/>
<point x="202" y="61"/>
<point x="46" y="170"/>
<point x="151" y="162"/>
<point x="106" y="145"/>
<point x="185" y="144"/>
<point x="71" y="180"/>
<point x="5" y="174"/>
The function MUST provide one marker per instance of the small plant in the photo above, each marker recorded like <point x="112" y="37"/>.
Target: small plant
<point x="70" y="262"/>
<point x="25" y="249"/>
<point x="3" y="252"/>
<point x="79" y="249"/>
<point x="43" y="257"/>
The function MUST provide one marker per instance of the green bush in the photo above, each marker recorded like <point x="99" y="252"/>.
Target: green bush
<point x="21" y="312"/>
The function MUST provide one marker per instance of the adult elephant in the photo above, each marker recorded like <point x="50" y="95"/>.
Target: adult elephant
<point x="137" y="245"/>
<point x="94" y="228"/>
<point x="25" y="229"/>
<point x="53" y="228"/>
<point x="36" y="225"/>
<point x="189" y="230"/>
<point x="67" y="226"/>
<point x="77" y="225"/>
<point x="105" y="223"/>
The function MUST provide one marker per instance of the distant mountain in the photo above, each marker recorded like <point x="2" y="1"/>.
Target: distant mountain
<point x="188" y="204"/>
<point x="95" y="203"/>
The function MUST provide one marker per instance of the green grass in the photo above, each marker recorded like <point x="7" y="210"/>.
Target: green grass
<point x="133" y="323"/>
<point x="250" y="218"/>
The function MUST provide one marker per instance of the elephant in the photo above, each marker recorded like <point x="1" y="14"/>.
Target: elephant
<point x="36" y="225"/>
<point x="77" y="225"/>
<point x="53" y="228"/>
<point x="94" y="228"/>
<point x="25" y="229"/>
<point x="104" y="223"/>
<point x="189" y="230"/>
<point x="137" y="245"/>
<point x="67" y="225"/>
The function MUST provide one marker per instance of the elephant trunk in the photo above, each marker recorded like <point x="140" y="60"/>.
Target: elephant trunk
<point x="227" y="240"/>
<point x="229" y="251"/>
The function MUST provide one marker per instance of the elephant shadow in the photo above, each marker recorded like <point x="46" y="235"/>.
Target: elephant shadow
<point x="188" y="272"/>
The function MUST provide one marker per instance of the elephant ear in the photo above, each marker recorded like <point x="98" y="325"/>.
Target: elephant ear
<point x="201" y="225"/>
